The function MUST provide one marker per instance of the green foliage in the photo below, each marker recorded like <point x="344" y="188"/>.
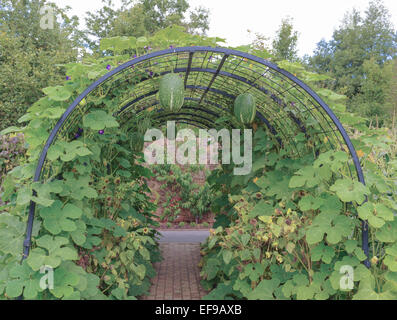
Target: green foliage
<point x="12" y="149"/>
<point x="282" y="232"/>
<point x="93" y="222"/>
<point x="97" y="237"/>
<point x="371" y="101"/>
<point x="144" y="18"/>
<point x="391" y="94"/>
<point x="32" y="57"/>
<point x="284" y="45"/>
<point x="286" y="231"/>
<point x="99" y="119"/>
<point x="184" y="193"/>
<point x="357" y="57"/>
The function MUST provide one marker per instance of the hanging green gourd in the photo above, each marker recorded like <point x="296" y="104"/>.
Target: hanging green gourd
<point x="245" y="108"/>
<point x="171" y="92"/>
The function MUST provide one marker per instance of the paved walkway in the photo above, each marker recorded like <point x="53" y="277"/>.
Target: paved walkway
<point x="178" y="275"/>
<point x="186" y="236"/>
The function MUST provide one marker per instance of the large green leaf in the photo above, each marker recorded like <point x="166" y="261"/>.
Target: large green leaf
<point x="98" y="120"/>
<point x="58" y="218"/>
<point x="67" y="151"/>
<point x="13" y="233"/>
<point x="58" y="93"/>
<point x="376" y="214"/>
<point x="350" y="190"/>
<point x="264" y="290"/>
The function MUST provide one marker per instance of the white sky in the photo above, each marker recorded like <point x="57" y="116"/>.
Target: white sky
<point x="230" y="19"/>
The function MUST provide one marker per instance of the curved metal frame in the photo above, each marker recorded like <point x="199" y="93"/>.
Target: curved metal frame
<point x="222" y="93"/>
<point x="218" y="106"/>
<point x="191" y="50"/>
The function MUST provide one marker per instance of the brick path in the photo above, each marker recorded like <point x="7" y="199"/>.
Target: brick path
<point x="178" y="275"/>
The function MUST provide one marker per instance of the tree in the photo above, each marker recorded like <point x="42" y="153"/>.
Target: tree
<point x="357" y="40"/>
<point x="358" y="58"/>
<point x="348" y="55"/>
<point x="260" y="41"/>
<point x="160" y="14"/>
<point x="30" y="55"/>
<point x="378" y="32"/>
<point x="199" y="21"/>
<point x="372" y="98"/>
<point x="284" y="45"/>
<point x="143" y="18"/>
<point x="130" y="23"/>
<point x="391" y="95"/>
<point x="322" y="58"/>
<point x="100" y="23"/>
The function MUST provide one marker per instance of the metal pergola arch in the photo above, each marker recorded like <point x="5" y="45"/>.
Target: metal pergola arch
<point x="216" y="91"/>
<point x="276" y="99"/>
<point x="281" y="97"/>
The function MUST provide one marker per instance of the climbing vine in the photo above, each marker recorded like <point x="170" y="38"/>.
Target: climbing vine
<point x="289" y="230"/>
<point x="282" y="232"/>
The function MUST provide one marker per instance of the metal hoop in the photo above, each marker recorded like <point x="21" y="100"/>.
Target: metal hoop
<point x="225" y="54"/>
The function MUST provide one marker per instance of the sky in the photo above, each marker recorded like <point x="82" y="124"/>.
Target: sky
<point x="230" y="19"/>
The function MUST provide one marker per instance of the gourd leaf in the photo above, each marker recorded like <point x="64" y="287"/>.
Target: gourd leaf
<point x="264" y="290"/>
<point x="58" y="93"/>
<point x="99" y="120"/>
<point x="350" y="190"/>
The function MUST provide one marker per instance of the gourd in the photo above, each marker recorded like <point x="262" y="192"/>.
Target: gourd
<point x="245" y="108"/>
<point x="171" y="92"/>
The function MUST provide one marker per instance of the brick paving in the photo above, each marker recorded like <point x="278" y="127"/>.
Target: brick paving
<point x="178" y="275"/>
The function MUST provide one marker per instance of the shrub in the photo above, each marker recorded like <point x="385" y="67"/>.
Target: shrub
<point x="31" y="56"/>
<point x="12" y="151"/>
<point x="196" y="198"/>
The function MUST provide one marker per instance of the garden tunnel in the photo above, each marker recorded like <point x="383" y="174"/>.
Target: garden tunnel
<point x="213" y="78"/>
